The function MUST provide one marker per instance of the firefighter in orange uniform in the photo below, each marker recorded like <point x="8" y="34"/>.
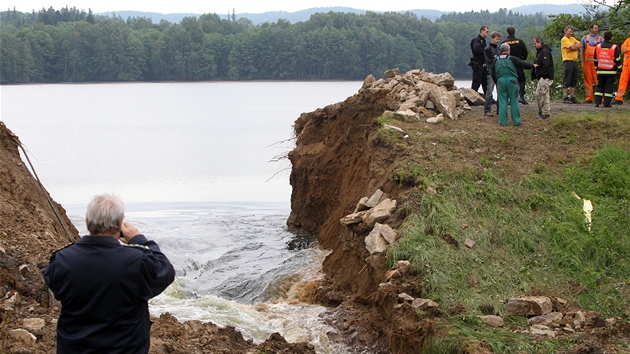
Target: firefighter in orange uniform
<point x="608" y="62"/>
<point x="587" y="55"/>
<point x="625" y="73"/>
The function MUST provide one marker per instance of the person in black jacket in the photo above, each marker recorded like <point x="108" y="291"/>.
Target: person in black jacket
<point x="518" y="49"/>
<point x="608" y="62"/>
<point x="104" y="282"/>
<point x="491" y="52"/>
<point x="478" y="61"/>
<point x="544" y="74"/>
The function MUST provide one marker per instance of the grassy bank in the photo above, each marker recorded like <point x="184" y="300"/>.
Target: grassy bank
<point x="531" y="236"/>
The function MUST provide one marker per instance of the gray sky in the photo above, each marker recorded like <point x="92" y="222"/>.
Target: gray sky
<point x="259" y="6"/>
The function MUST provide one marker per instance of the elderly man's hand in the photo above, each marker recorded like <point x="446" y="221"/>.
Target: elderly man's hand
<point x="128" y="232"/>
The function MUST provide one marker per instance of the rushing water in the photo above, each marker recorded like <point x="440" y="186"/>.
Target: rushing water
<point x="202" y="169"/>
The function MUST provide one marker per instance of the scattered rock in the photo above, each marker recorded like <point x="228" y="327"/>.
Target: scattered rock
<point x="546" y="320"/>
<point x="529" y="305"/>
<point x="34" y="324"/>
<point x="491" y="320"/>
<point x="469" y="243"/>
<point x="424" y="304"/>
<point x="437" y="119"/>
<point x="380" y="212"/>
<point x="23" y="336"/>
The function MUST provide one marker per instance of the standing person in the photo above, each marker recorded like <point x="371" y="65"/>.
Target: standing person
<point x="478" y="60"/>
<point x="518" y="49"/>
<point x="544" y="74"/>
<point x="504" y="74"/>
<point x="608" y="62"/>
<point x="625" y="73"/>
<point x="104" y="285"/>
<point x="570" y="47"/>
<point x="587" y="55"/>
<point x="491" y="52"/>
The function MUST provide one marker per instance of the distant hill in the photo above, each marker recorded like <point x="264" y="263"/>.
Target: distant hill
<point x="304" y="15"/>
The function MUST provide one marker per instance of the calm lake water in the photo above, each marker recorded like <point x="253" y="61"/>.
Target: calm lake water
<point x="202" y="169"/>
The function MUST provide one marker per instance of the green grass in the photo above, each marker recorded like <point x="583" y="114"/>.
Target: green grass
<point x="531" y="237"/>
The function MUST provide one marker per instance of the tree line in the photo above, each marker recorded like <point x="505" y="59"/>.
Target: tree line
<point x="71" y="45"/>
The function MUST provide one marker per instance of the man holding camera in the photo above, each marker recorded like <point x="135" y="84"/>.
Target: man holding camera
<point x="104" y="282"/>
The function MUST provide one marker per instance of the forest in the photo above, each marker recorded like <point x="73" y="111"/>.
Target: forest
<point x="71" y="45"/>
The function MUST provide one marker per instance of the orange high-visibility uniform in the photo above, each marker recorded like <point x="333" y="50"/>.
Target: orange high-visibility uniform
<point x="588" y="68"/>
<point x="625" y="73"/>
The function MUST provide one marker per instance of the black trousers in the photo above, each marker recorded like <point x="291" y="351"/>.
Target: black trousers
<point x="479" y="78"/>
<point x="605" y="89"/>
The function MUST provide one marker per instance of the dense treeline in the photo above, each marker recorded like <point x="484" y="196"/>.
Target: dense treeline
<point x="69" y="45"/>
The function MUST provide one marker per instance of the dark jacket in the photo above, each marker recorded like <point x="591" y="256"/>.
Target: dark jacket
<point x="492" y="51"/>
<point x="544" y="60"/>
<point x="477" y="47"/>
<point x="104" y="287"/>
<point x="517" y="64"/>
<point x="517" y="47"/>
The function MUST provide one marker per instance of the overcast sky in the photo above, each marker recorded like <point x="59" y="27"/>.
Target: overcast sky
<point x="260" y="6"/>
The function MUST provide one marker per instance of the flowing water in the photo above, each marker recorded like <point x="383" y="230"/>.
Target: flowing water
<point x="202" y="169"/>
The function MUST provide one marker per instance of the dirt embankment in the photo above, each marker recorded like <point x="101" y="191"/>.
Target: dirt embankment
<point x="30" y="230"/>
<point x="340" y="158"/>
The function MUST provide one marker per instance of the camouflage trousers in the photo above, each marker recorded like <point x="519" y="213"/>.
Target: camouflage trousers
<point x="542" y="95"/>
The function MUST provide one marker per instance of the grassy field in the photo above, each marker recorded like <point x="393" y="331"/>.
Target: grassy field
<point x="531" y="234"/>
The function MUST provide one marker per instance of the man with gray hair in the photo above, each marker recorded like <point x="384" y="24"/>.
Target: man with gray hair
<point x="505" y="76"/>
<point x="104" y="282"/>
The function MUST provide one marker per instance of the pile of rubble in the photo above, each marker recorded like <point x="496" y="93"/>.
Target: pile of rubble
<point x="422" y="94"/>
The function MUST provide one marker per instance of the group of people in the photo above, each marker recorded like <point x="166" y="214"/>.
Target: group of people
<point x="502" y="63"/>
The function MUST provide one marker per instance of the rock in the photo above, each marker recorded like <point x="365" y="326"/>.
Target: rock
<point x="34" y="324"/>
<point x="361" y="205"/>
<point x="375" y="198"/>
<point x="369" y="81"/>
<point x="405" y="297"/>
<point x="529" y="305"/>
<point x="353" y="218"/>
<point x="443" y="79"/>
<point x="425" y="112"/>
<point x="374" y="242"/>
<point x="391" y="127"/>
<point x="404" y="116"/>
<point x="437" y="119"/>
<point x="23" y="336"/>
<point x="424" y="304"/>
<point x="380" y="212"/>
<point x="545" y="320"/>
<point x="457" y="95"/>
<point x="469" y="243"/>
<point x="403" y="267"/>
<point x="444" y="101"/>
<point x="491" y="320"/>
<point x="392" y="73"/>
<point x="541" y="330"/>
<point x="472" y="97"/>
<point x="378" y="239"/>
<point x="387" y="232"/>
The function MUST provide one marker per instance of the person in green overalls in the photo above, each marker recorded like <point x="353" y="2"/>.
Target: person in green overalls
<point x="505" y="76"/>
